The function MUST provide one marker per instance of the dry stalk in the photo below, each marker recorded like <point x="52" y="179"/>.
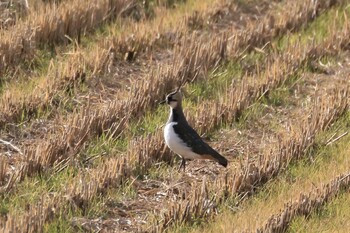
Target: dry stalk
<point x="299" y="13"/>
<point x="3" y="169"/>
<point x="100" y="60"/>
<point x="114" y="173"/>
<point x="144" y="152"/>
<point x="10" y="145"/>
<point x="212" y="113"/>
<point x="250" y="175"/>
<point x="91" y="122"/>
<point x="11" y="11"/>
<point x="306" y="203"/>
<point x="242" y="182"/>
<point x="55" y="25"/>
<point x="192" y="62"/>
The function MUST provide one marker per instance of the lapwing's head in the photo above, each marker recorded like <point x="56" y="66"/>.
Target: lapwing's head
<point x="174" y="99"/>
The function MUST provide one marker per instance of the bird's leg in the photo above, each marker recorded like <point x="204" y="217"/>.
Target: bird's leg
<point x="182" y="164"/>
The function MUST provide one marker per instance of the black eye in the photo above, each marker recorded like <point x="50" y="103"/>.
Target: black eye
<point x="170" y="99"/>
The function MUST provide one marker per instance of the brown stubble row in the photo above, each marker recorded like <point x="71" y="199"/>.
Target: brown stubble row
<point x="9" y="14"/>
<point x="104" y="59"/>
<point x="305" y="204"/>
<point x="52" y="147"/>
<point x="18" y="11"/>
<point x="240" y="182"/>
<point x="71" y="18"/>
<point x="298" y="15"/>
<point x="196" y="57"/>
<point x="57" y="24"/>
<point x="189" y="64"/>
<point x="327" y="110"/>
<point x="146" y="151"/>
<point x="101" y="60"/>
<point x="110" y="174"/>
<point x="98" y="61"/>
<point x="114" y="118"/>
<point x="115" y="171"/>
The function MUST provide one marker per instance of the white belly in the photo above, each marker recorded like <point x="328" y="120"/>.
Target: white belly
<point x="176" y="144"/>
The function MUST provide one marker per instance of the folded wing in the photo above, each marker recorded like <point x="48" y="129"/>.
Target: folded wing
<point x="195" y="142"/>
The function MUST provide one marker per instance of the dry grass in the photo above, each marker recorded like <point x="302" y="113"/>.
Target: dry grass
<point x="71" y="22"/>
<point x="210" y="54"/>
<point x="306" y="204"/>
<point x="17" y="10"/>
<point x="111" y="171"/>
<point x="105" y="58"/>
<point x="241" y="181"/>
<point x="55" y="25"/>
<point x="186" y="65"/>
<point x="330" y="218"/>
<point x="195" y="56"/>
<point x="17" y="101"/>
<point x="309" y="173"/>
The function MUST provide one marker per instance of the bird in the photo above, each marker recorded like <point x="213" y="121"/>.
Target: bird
<point x="182" y="139"/>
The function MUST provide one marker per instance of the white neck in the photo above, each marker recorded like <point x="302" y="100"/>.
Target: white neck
<point x="173" y="104"/>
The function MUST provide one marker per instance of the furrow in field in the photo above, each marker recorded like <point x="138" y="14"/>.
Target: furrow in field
<point x="253" y="213"/>
<point x="146" y="196"/>
<point x="102" y="69"/>
<point x="46" y="95"/>
<point x="145" y="151"/>
<point x="306" y="203"/>
<point x="116" y="167"/>
<point x="332" y="217"/>
<point x="242" y="180"/>
<point x="200" y="56"/>
<point x="98" y="181"/>
<point x="56" y="24"/>
<point x="189" y="63"/>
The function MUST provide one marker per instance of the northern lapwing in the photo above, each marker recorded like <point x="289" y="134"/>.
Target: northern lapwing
<point x="182" y="139"/>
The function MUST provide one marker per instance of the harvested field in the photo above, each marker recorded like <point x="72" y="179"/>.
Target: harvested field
<point x="81" y="140"/>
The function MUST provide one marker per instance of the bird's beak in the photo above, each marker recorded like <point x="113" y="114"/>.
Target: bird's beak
<point x="162" y="102"/>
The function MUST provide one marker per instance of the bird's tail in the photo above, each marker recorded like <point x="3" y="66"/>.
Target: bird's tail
<point x="220" y="159"/>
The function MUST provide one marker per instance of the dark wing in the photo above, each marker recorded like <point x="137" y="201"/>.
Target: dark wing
<point x="191" y="138"/>
<point x="194" y="141"/>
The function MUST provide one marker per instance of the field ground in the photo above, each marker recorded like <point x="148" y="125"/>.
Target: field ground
<point x="266" y="83"/>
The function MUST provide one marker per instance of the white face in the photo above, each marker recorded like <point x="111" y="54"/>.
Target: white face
<point x="173" y="104"/>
